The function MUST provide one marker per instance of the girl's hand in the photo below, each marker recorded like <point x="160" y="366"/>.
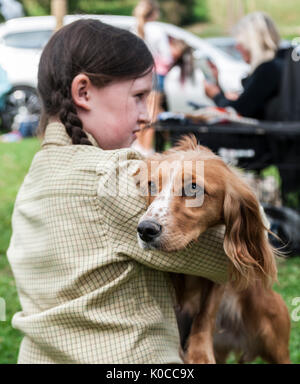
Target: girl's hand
<point x="211" y="90"/>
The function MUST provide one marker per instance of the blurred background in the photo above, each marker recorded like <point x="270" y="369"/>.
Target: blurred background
<point x="206" y="17"/>
<point x="205" y="27"/>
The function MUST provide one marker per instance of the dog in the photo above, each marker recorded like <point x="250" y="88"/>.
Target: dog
<point x="245" y="315"/>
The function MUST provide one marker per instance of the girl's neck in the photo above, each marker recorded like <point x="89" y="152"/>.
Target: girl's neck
<point x="53" y="119"/>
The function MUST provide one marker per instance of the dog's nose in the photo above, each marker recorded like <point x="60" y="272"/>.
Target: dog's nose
<point x="148" y="230"/>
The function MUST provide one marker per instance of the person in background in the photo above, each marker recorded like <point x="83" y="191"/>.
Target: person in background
<point x="157" y="41"/>
<point x="258" y="41"/>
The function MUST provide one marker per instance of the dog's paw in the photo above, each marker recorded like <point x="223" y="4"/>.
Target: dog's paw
<point x="200" y="357"/>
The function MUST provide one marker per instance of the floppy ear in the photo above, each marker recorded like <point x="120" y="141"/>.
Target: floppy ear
<point x="246" y="241"/>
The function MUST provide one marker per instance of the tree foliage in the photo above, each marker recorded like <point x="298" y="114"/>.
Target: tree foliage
<point x="184" y="12"/>
<point x="174" y="11"/>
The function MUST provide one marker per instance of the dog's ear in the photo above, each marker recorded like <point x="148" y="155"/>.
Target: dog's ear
<point x="246" y="241"/>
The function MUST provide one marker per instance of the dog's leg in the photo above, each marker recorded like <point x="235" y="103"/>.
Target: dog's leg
<point x="200" y="344"/>
<point x="266" y="325"/>
<point x="221" y="355"/>
<point x="275" y="330"/>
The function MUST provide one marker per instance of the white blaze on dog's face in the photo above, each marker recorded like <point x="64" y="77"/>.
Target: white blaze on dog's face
<point x="184" y="195"/>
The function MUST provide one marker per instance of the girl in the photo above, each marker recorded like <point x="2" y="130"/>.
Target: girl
<point x="88" y="293"/>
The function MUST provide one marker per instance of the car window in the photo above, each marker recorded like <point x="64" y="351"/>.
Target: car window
<point x="231" y="51"/>
<point x="27" y="40"/>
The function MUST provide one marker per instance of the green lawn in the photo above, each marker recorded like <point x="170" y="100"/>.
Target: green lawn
<point x="15" y="159"/>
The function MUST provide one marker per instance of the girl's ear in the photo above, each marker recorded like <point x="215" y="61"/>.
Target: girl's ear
<point x="246" y="242"/>
<point x="80" y="90"/>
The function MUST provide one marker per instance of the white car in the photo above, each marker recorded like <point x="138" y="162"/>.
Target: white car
<point x="22" y="41"/>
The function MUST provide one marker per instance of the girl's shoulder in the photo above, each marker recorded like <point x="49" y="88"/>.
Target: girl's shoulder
<point x="60" y="155"/>
<point x="270" y="68"/>
<point x="113" y="160"/>
<point x="86" y="157"/>
<point x="76" y="171"/>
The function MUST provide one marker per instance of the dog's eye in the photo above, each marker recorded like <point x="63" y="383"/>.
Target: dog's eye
<point x="152" y="188"/>
<point x="192" y="190"/>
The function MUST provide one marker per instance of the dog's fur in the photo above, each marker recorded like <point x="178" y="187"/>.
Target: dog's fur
<point x="245" y="316"/>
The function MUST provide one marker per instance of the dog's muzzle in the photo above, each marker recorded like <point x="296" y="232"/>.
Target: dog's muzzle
<point x="149" y="230"/>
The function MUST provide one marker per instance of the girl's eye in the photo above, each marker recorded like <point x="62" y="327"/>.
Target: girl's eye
<point x="140" y="95"/>
<point x="192" y="190"/>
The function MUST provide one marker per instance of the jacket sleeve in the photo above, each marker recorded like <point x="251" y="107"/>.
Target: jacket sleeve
<point x="122" y="206"/>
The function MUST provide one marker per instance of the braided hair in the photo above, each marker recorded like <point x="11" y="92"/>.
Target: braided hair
<point x="100" y="51"/>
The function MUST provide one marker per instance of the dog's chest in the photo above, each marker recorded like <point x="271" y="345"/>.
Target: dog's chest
<point x="230" y="329"/>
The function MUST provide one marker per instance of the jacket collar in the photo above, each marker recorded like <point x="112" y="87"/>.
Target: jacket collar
<point x="55" y="134"/>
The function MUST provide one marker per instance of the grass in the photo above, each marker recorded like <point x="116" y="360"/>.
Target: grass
<point x="289" y="272"/>
<point x="288" y="287"/>
<point x="15" y="159"/>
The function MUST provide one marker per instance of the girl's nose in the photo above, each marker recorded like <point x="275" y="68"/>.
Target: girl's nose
<point x="144" y="117"/>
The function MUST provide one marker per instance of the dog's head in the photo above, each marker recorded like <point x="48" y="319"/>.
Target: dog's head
<point x="189" y="189"/>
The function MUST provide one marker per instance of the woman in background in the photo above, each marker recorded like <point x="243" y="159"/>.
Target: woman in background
<point x="258" y="41"/>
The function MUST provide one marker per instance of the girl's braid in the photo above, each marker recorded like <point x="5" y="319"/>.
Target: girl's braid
<point x="68" y="116"/>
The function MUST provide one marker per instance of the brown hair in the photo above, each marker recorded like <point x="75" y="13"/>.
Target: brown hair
<point x="100" y="51"/>
<point x="143" y="12"/>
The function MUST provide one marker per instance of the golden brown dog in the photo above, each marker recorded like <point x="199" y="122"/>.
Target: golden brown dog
<point x="189" y="189"/>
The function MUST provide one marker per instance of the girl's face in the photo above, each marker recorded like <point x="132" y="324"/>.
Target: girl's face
<point x="112" y="114"/>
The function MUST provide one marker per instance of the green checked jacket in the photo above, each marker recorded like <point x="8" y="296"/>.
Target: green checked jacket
<point x="88" y="293"/>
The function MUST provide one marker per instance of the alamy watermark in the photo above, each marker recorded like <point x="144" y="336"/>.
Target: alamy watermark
<point x="296" y="50"/>
<point x="296" y="312"/>
<point x="2" y="309"/>
<point x="156" y="178"/>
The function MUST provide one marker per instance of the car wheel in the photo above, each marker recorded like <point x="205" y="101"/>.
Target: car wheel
<point x="22" y="104"/>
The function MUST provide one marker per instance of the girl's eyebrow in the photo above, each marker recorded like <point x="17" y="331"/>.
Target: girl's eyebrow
<point x="142" y="90"/>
